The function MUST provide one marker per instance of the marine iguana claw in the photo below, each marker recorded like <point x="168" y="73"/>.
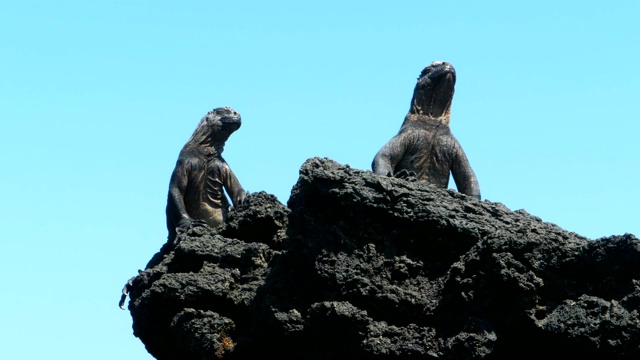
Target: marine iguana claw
<point x="198" y="222"/>
<point x="240" y="199"/>
<point x="405" y="174"/>
<point x="185" y="223"/>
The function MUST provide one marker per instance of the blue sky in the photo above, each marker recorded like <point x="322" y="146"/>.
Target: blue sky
<point x="98" y="97"/>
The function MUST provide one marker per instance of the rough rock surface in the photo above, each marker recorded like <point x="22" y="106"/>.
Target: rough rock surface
<point x="369" y="267"/>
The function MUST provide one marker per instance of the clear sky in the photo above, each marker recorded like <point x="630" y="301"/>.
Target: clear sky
<point x="98" y="97"/>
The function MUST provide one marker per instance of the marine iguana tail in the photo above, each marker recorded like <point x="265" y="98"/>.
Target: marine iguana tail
<point x="425" y="147"/>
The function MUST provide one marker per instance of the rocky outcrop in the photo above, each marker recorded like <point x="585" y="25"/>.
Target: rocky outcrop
<point x="370" y="267"/>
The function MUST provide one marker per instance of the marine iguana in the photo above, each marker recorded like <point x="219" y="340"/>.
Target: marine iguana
<point x="195" y="189"/>
<point x="425" y="147"/>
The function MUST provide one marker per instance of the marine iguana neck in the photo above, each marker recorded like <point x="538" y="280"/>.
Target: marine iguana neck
<point x="433" y="93"/>
<point x="419" y="121"/>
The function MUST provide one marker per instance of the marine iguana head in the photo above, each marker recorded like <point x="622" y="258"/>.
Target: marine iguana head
<point x="215" y="128"/>
<point x="434" y="91"/>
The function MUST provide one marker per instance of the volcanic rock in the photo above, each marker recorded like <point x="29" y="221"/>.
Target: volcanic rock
<point x="369" y="267"/>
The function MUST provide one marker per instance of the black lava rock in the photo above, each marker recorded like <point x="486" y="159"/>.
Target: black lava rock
<point x="370" y="267"/>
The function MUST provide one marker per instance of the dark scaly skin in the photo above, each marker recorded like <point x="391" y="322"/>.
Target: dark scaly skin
<point x="425" y="147"/>
<point x="195" y="189"/>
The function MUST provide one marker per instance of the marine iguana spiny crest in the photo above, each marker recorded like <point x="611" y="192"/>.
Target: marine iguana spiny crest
<point x="425" y="147"/>
<point x="195" y="189"/>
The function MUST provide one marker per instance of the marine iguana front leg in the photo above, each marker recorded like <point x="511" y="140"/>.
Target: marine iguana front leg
<point x="232" y="186"/>
<point x="388" y="157"/>
<point x="177" y="215"/>
<point x="176" y="209"/>
<point x="386" y="160"/>
<point x="463" y="174"/>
